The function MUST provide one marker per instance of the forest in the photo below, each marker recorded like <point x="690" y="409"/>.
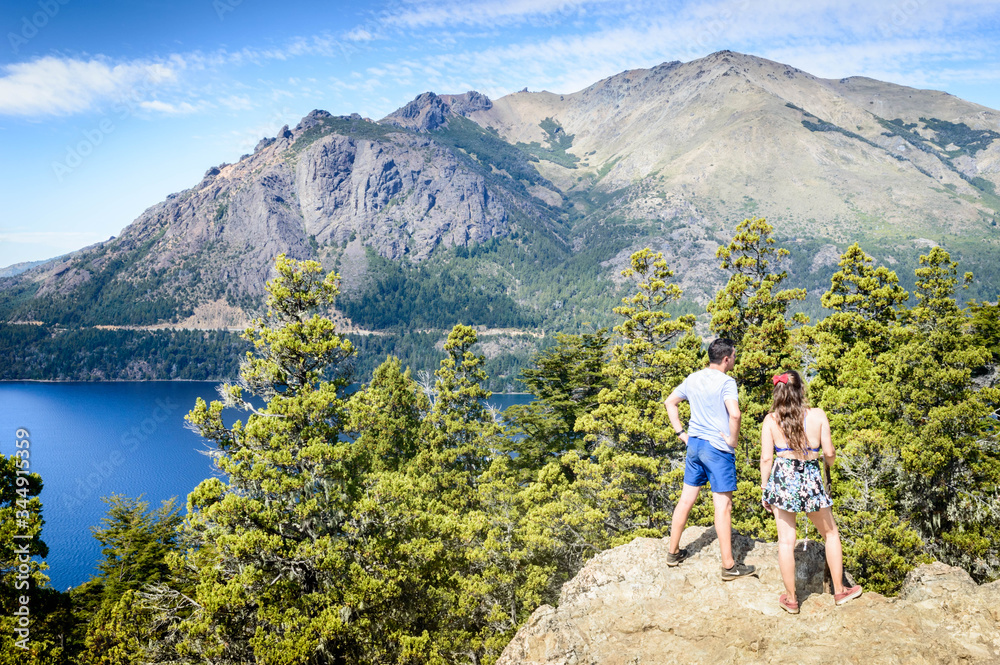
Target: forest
<point x="406" y="522"/>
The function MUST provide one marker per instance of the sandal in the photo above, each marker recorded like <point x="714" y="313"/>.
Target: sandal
<point x="790" y="606"/>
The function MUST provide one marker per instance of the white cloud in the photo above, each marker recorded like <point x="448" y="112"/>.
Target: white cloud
<point x="62" y="86"/>
<point x="65" y="86"/>
<point x="423" y="13"/>
<point x="237" y="102"/>
<point x="57" y="239"/>
<point x="911" y="42"/>
<point x="359" y="35"/>
<point x="168" y="108"/>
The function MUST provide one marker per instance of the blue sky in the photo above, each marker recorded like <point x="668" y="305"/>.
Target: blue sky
<point x="107" y="106"/>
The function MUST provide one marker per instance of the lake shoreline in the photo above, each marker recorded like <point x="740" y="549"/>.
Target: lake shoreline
<point x="217" y="382"/>
<point x="92" y="439"/>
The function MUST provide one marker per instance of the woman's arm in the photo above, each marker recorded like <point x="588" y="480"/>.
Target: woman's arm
<point x="825" y="440"/>
<point x="766" y="454"/>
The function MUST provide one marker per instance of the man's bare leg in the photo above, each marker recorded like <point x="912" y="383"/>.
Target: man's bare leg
<point x="688" y="496"/>
<point x="724" y="525"/>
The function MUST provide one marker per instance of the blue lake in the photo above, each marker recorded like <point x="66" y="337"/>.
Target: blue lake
<point x="90" y="440"/>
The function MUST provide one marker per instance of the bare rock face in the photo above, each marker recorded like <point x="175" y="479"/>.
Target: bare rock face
<point x="426" y="112"/>
<point x="468" y="102"/>
<point x="402" y="198"/>
<point x="430" y="111"/>
<point x="626" y="606"/>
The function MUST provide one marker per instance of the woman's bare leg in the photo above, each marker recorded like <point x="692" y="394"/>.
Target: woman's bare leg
<point x="786" y="549"/>
<point x="823" y="520"/>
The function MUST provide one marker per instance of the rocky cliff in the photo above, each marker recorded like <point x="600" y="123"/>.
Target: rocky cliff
<point x="626" y="606"/>
<point x="326" y="189"/>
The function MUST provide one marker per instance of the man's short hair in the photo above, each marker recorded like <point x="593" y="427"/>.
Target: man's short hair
<point x="719" y="349"/>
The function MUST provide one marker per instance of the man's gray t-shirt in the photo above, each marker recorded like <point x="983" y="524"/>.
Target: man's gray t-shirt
<point x="707" y="391"/>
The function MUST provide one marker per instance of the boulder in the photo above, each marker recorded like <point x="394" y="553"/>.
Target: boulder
<point x="626" y="606"/>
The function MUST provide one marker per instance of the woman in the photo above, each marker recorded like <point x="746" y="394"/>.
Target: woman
<point x="792" y="437"/>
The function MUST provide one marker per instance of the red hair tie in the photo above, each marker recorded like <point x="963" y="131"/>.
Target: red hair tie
<point x="780" y="378"/>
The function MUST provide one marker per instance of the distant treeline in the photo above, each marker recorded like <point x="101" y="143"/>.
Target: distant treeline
<point x="56" y="353"/>
<point x="401" y="296"/>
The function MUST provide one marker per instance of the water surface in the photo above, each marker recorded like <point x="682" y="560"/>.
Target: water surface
<point x="90" y="440"/>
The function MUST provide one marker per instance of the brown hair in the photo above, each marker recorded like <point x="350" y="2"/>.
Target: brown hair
<point x="720" y="348"/>
<point x="789" y="410"/>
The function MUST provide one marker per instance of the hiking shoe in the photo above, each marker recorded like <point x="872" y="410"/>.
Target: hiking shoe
<point x="790" y="606"/>
<point x="738" y="570"/>
<point x="674" y="559"/>
<point x="847" y="594"/>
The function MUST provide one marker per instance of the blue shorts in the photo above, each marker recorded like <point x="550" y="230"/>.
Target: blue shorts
<point x="705" y="463"/>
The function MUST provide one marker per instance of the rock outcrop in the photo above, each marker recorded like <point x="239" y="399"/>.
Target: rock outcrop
<point x="429" y="111"/>
<point x="402" y="197"/>
<point x="626" y="606"/>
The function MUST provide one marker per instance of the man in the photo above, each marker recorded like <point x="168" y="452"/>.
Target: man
<point x="711" y="439"/>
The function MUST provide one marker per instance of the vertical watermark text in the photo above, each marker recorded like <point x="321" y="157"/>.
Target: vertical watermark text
<point x="22" y="539"/>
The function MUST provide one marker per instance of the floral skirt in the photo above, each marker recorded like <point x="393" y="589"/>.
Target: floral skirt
<point x="796" y="486"/>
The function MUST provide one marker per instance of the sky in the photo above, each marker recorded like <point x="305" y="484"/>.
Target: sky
<point x="108" y="106"/>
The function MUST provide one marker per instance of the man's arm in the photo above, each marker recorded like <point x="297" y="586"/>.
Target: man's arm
<point x="674" y="413"/>
<point x="733" y="407"/>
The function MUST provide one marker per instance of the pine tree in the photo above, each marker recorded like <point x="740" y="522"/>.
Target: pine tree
<point x="880" y="545"/>
<point x="752" y="310"/>
<point x="945" y="426"/>
<point x="463" y="433"/>
<point x="135" y="542"/>
<point x="566" y="381"/>
<point x="914" y="434"/>
<point x="265" y="549"/>
<point x="385" y="417"/>
<point x="118" y="632"/>
<point x="986" y="328"/>
<point x="652" y="354"/>
<point x="44" y="617"/>
<point x="864" y="300"/>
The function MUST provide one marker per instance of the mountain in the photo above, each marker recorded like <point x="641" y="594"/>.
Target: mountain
<point x="18" y="268"/>
<point x="329" y="188"/>
<point x="627" y="606"/>
<point x="520" y="212"/>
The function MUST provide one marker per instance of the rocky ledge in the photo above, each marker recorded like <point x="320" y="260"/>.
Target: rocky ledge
<point x="626" y="606"/>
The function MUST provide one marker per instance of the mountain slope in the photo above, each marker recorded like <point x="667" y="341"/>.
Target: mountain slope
<point x="809" y="152"/>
